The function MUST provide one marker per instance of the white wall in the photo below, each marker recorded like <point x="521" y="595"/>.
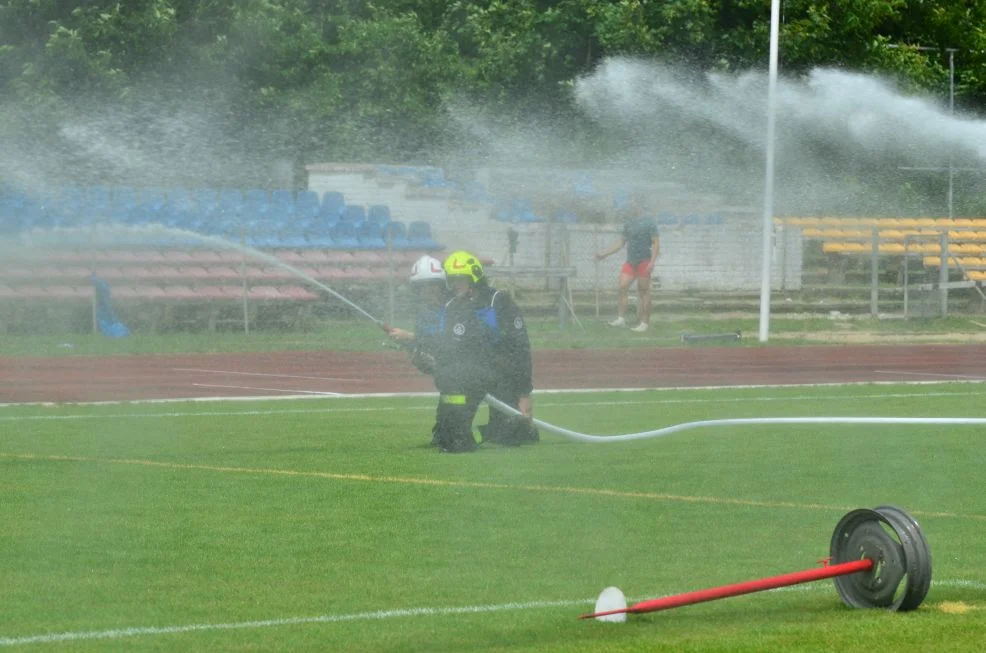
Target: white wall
<point x="709" y="257"/>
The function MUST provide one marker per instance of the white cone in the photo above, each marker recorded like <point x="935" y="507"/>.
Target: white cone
<point x="611" y="598"/>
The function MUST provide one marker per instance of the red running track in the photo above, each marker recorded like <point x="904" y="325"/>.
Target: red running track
<point x="141" y="377"/>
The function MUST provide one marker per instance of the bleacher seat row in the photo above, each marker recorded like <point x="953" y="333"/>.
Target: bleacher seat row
<point x="901" y="236"/>
<point x="322" y="237"/>
<point x="280" y="219"/>
<point x="195" y="274"/>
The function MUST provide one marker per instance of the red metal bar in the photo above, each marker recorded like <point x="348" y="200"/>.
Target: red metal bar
<point x="700" y="596"/>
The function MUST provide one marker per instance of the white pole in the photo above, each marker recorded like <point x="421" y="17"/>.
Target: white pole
<point x="768" y="193"/>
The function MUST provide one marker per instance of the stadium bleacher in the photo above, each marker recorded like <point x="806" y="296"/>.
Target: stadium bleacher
<point x="900" y="236"/>
<point x="325" y="238"/>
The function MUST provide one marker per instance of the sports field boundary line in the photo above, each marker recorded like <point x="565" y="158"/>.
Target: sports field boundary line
<point x="397" y="613"/>
<point x="546" y="391"/>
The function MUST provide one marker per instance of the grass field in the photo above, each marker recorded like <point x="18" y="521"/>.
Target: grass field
<point x="356" y="335"/>
<point x="331" y="525"/>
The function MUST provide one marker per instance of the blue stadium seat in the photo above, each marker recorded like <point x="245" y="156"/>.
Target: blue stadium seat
<point x="396" y="232"/>
<point x="333" y="202"/>
<point x="353" y="213"/>
<point x="318" y="234"/>
<point x="256" y="196"/>
<point x="419" y="235"/>
<point x="370" y="235"/>
<point x="379" y="214"/>
<point x="264" y="233"/>
<point x="126" y="197"/>
<point x="230" y="201"/>
<point x="344" y="235"/>
<point x="98" y="196"/>
<point x="13" y="217"/>
<point x="154" y="198"/>
<point x="71" y="198"/>
<point x="282" y="203"/>
<point x="306" y="205"/>
<point x="179" y="197"/>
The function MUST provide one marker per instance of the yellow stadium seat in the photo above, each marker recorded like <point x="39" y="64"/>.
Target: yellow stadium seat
<point x="976" y="275"/>
<point x="963" y="222"/>
<point x="893" y="234"/>
<point x="891" y="248"/>
<point x="924" y="223"/>
<point x="811" y="232"/>
<point x="908" y="223"/>
<point x="843" y="248"/>
<point x="931" y="261"/>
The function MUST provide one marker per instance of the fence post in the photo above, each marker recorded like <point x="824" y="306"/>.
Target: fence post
<point x="595" y="263"/>
<point x="390" y="278"/>
<point x="243" y="279"/>
<point x="92" y="273"/>
<point x="943" y="275"/>
<point x="907" y="267"/>
<point x="875" y="273"/>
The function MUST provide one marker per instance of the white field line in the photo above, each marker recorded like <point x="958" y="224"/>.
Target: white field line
<point x="279" y="376"/>
<point x="935" y="374"/>
<point x="139" y="631"/>
<point x="544" y="404"/>
<point x="249" y="387"/>
<point x="549" y="391"/>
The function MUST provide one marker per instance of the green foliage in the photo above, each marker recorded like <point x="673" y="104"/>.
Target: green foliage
<point x="352" y="80"/>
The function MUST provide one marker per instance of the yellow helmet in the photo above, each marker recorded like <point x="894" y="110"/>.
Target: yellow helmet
<point x="463" y="264"/>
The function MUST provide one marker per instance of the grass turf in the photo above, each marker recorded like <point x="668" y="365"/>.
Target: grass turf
<point x="355" y="335"/>
<point x="307" y="518"/>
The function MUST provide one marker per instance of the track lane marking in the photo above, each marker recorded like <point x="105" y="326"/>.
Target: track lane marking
<point x="267" y="374"/>
<point x="247" y="387"/>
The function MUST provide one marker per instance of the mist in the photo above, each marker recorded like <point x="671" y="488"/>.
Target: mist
<point x="844" y="139"/>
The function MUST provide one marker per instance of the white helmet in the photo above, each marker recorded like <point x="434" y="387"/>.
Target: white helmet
<point x="427" y="268"/>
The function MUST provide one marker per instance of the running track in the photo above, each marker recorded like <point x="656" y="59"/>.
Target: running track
<point x="128" y="378"/>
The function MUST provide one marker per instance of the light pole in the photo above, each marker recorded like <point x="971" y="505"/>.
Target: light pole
<point x="768" y="193"/>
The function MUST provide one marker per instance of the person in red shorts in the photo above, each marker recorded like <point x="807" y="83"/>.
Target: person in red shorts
<point x="643" y="246"/>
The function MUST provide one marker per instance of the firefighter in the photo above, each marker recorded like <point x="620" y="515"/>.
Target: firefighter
<point x="486" y="348"/>
<point x="427" y="281"/>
